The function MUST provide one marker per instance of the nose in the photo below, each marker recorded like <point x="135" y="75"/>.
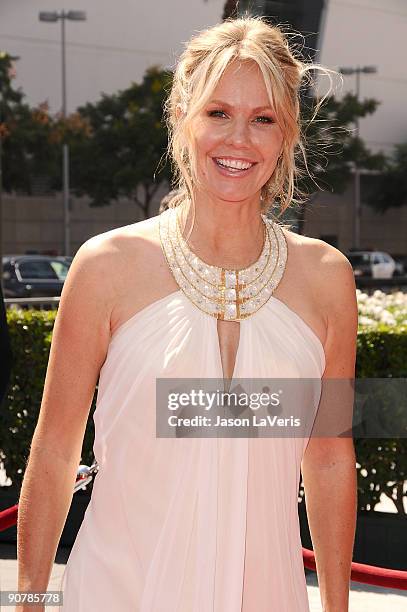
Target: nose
<point x="238" y="133"/>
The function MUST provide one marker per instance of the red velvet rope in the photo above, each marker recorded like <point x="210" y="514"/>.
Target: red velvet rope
<point x="8" y="517"/>
<point x="368" y="574"/>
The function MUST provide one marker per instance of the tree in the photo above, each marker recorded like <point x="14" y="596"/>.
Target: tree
<point x="24" y="133"/>
<point x="391" y="187"/>
<point x="332" y="150"/>
<point x="118" y="144"/>
<point x="122" y="152"/>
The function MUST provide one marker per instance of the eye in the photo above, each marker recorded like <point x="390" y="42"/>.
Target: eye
<point x="265" y="119"/>
<point x="215" y="113"/>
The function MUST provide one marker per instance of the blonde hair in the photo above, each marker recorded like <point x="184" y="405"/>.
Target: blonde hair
<point x="197" y="73"/>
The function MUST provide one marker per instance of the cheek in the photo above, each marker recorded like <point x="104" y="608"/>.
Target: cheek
<point x="206" y="137"/>
<point x="271" y="144"/>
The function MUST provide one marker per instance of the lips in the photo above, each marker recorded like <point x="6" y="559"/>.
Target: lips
<point x="233" y="166"/>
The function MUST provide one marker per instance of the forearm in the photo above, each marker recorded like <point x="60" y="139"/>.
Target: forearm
<point x="44" y="503"/>
<point x="331" y="499"/>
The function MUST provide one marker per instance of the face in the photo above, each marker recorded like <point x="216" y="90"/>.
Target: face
<point x="237" y="138"/>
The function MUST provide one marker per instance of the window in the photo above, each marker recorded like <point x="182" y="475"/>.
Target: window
<point x="43" y="269"/>
<point x="60" y="268"/>
<point x="385" y="257"/>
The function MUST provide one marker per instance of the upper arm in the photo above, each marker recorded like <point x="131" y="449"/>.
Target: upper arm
<point x="338" y="300"/>
<point x="79" y="345"/>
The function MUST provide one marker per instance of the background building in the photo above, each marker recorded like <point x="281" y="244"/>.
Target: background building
<point x="351" y="33"/>
<point x="305" y="16"/>
<point x="108" y="51"/>
<point x="120" y="40"/>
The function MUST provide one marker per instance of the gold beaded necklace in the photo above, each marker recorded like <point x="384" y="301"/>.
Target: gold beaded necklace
<point x="231" y="295"/>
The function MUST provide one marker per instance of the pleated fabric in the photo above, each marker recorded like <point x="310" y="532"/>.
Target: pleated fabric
<point x="191" y="524"/>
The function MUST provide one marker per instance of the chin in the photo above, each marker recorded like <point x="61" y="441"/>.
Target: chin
<point x="231" y="197"/>
<point x="229" y="194"/>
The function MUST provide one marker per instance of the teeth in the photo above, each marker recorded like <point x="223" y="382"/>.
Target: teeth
<point x="232" y="163"/>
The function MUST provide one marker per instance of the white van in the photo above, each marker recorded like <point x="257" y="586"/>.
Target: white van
<point x="376" y="264"/>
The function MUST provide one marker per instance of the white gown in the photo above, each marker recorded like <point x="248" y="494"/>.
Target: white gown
<point x="197" y="524"/>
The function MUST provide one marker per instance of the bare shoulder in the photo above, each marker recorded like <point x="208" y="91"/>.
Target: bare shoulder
<point x="106" y="262"/>
<point x="118" y="253"/>
<point x="327" y="269"/>
<point x="127" y="268"/>
<point x="329" y="275"/>
<point x="119" y="242"/>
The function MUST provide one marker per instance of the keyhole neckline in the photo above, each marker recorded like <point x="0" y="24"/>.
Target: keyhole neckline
<point x="217" y="323"/>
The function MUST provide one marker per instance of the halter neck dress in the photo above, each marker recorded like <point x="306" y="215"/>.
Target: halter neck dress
<point x="191" y="524"/>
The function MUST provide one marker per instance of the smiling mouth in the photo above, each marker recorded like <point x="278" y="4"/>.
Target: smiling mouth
<point x="235" y="166"/>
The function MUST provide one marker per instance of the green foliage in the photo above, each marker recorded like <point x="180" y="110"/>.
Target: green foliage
<point x="30" y="335"/>
<point x="391" y="191"/>
<point x="383" y="469"/>
<point x="25" y="133"/>
<point x="332" y="148"/>
<point x="383" y="462"/>
<point x="118" y="144"/>
<point x="380" y="354"/>
<point x="125" y="145"/>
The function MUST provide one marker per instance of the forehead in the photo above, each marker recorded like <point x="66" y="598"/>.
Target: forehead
<point x="242" y="84"/>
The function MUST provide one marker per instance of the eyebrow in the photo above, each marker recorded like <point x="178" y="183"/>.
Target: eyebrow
<point x="255" y="110"/>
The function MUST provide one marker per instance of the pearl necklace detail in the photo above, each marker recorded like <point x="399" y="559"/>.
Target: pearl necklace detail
<point x="231" y="295"/>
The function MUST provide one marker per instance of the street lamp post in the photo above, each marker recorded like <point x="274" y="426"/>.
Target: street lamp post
<point x="53" y="17"/>
<point x="356" y="202"/>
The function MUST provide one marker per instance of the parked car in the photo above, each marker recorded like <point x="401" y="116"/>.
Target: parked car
<point x="34" y="275"/>
<point x="399" y="271"/>
<point x="375" y="264"/>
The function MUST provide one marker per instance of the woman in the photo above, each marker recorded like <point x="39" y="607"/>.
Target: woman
<point x="199" y="524"/>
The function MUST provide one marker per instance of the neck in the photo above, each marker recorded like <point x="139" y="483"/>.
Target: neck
<point x="225" y="234"/>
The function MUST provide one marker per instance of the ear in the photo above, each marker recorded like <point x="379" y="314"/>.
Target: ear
<point x="179" y="111"/>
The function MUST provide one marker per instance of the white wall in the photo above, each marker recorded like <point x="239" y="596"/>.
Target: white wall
<point x="111" y="49"/>
<point x="371" y="32"/>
